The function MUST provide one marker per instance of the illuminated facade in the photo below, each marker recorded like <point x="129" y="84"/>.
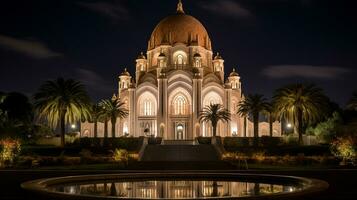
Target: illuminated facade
<point x="177" y="77"/>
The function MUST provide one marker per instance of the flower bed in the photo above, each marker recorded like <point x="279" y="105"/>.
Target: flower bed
<point x="9" y="151"/>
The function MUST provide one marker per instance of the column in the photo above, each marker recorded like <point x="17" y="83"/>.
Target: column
<point x="196" y="104"/>
<point x="228" y="106"/>
<point x="162" y="114"/>
<point x="132" y="113"/>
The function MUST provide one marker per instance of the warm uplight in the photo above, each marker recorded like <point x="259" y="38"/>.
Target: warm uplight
<point x="73" y="126"/>
<point x="234" y="131"/>
<point x="289" y="125"/>
<point x="125" y="129"/>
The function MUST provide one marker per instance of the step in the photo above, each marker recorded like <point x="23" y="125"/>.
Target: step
<point x="179" y="142"/>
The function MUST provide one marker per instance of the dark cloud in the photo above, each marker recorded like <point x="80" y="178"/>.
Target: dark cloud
<point x="113" y="11"/>
<point x="228" y="8"/>
<point x="93" y="81"/>
<point x="30" y="48"/>
<point x="304" y="71"/>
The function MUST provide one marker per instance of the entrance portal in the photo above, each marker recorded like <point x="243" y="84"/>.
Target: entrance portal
<point x="180" y="131"/>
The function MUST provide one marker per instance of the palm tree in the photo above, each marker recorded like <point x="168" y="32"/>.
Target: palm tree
<point x="113" y="109"/>
<point x="214" y="113"/>
<point x="300" y="103"/>
<point x="270" y="113"/>
<point x="253" y="105"/>
<point x="353" y="102"/>
<point x="96" y="115"/>
<point x="62" y="101"/>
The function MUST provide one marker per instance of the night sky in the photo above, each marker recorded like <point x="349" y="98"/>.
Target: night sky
<point x="270" y="42"/>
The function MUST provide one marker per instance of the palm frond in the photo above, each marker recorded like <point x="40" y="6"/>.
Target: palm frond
<point x="61" y="96"/>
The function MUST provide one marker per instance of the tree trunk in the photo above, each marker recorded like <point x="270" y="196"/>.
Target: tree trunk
<point x="300" y="124"/>
<point x="282" y="125"/>
<point x="95" y="128"/>
<point x="245" y="127"/>
<point x="63" y="128"/>
<point x="256" y="129"/>
<point x="270" y="125"/>
<point x="214" y="127"/>
<point x="106" y="128"/>
<point x="113" y="121"/>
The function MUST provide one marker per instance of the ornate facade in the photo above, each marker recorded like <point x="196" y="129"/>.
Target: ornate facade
<point x="174" y="80"/>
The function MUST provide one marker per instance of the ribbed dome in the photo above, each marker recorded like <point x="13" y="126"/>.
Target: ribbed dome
<point x="180" y="28"/>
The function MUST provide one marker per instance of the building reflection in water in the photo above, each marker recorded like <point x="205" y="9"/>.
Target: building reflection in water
<point x="175" y="189"/>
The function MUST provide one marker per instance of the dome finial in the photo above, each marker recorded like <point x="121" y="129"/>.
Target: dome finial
<point x="180" y="8"/>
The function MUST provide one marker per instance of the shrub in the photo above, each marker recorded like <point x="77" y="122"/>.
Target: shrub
<point x="291" y="140"/>
<point x="130" y="144"/>
<point x="268" y="141"/>
<point x="327" y="130"/>
<point x="9" y="152"/>
<point x="85" y="155"/>
<point x="121" y="155"/>
<point x="70" y="138"/>
<point x="236" y="143"/>
<point x="154" y="140"/>
<point x="89" y="142"/>
<point x="95" y="144"/>
<point x="343" y="148"/>
<point x="203" y="140"/>
<point x="259" y="156"/>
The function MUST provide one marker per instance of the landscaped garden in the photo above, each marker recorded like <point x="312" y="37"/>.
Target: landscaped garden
<point x="320" y="136"/>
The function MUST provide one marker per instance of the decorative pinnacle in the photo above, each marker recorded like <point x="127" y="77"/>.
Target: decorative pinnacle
<point x="180" y="8"/>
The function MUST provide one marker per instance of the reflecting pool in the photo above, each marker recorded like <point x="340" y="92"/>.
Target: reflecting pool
<point x="174" y="189"/>
<point x="173" y="186"/>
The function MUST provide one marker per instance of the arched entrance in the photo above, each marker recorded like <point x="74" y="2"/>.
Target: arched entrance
<point x="180" y="131"/>
<point x="180" y="114"/>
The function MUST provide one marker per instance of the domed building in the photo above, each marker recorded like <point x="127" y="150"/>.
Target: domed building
<point x="177" y="77"/>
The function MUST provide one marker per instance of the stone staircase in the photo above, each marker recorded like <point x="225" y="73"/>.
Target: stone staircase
<point x="179" y="142"/>
<point x="171" y="152"/>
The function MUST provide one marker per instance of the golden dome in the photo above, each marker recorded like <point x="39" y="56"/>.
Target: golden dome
<point x="180" y="28"/>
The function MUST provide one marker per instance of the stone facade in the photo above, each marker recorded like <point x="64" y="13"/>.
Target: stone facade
<point x="174" y="80"/>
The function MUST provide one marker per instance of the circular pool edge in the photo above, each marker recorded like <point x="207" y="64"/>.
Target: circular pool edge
<point x="39" y="187"/>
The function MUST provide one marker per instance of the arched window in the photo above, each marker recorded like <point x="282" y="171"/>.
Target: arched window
<point x="147" y="104"/>
<point x="180" y="105"/>
<point x="180" y="59"/>
<point x="212" y="98"/>
<point x="147" y="107"/>
<point x="198" y="63"/>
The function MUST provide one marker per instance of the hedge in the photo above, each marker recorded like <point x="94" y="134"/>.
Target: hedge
<point x="203" y="140"/>
<point x="130" y="144"/>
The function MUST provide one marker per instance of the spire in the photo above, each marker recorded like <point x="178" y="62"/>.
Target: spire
<point x="180" y="8"/>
